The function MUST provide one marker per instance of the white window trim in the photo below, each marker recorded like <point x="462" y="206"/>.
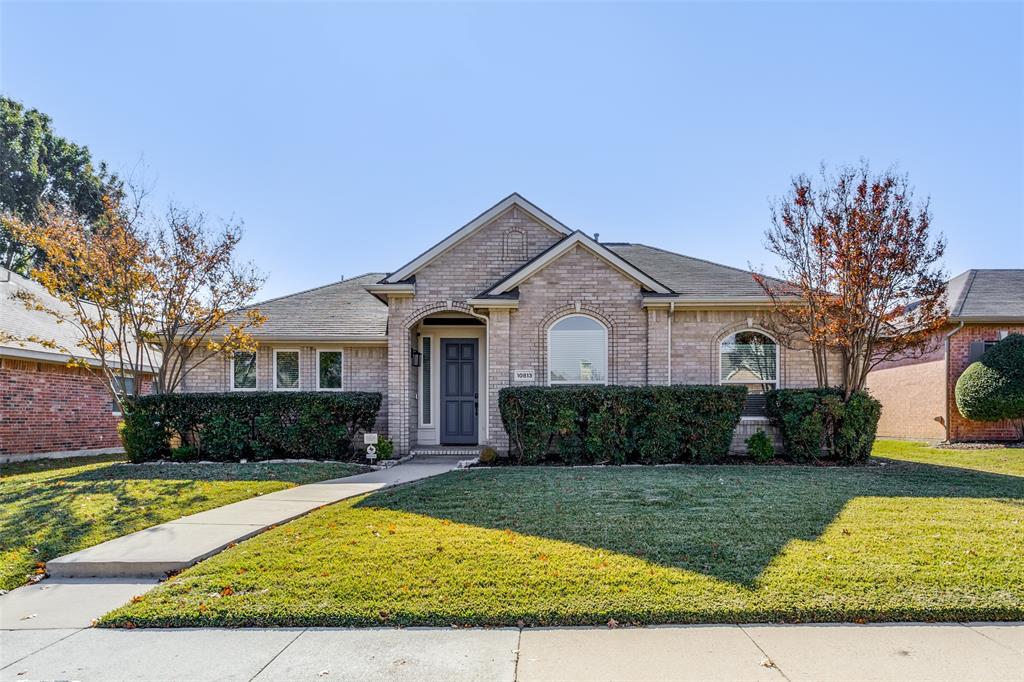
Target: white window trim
<point x="419" y="384"/>
<point x="298" y="355"/>
<point x="328" y="350"/>
<point x="607" y="358"/>
<point x="255" y="369"/>
<point x="776" y="383"/>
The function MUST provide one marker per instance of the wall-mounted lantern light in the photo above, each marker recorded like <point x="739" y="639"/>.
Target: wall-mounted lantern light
<point x="417" y="358"/>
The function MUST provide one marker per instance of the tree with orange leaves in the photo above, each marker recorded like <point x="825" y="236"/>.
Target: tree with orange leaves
<point x="144" y="297"/>
<point x="857" y="252"/>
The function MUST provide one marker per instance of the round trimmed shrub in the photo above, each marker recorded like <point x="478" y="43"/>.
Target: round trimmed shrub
<point x="992" y="389"/>
<point x="760" y="447"/>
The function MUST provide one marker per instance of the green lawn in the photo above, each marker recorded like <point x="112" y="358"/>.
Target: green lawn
<point x="897" y="540"/>
<point x="52" y="507"/>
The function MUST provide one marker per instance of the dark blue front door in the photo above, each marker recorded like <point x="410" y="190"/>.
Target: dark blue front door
<point x="458" y="391"/>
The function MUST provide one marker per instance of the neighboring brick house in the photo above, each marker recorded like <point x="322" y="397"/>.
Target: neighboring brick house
<point x="514" y="298"/>
<point x="918" y="400"/>
<point x="47" y="407"/>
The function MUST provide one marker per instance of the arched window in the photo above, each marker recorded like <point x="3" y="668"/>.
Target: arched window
<point x="577" y="351"/>
<point x="750" y="358"/>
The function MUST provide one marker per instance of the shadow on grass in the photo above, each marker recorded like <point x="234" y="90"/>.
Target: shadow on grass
<point x="728" y="522"/>
<point x="306" y="472"/>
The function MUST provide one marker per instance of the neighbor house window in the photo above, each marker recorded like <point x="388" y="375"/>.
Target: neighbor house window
<point x="426" y="374"/>
<point x="286" y="370"/>
<point x="578" y="351"/>
<point x="750" y="358"/>
<point x="330" y="364"/>
<point x="122" y="386"/>
<point x="243" y="371"/>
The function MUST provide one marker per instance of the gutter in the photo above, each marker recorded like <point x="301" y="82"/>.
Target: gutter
<point x="736" y="303"/>
<point x="948" y="336"/>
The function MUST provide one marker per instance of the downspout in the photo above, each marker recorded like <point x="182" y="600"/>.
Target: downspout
<point x="671" y="314"/>
<point x="945" y="378"/>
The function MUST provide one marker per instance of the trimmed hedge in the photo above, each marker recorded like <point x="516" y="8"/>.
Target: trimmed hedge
<point x="992" y="389"/>
<point x="620" y="424"/>
<point x="816" y="424"/>
<point x="250" y="425"/>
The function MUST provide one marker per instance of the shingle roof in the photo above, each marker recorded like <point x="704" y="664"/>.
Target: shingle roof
<point x="980" y="295"/>
<point x="20" y="322"/>
<point x="335" y="311"/>
<point x="688" y="276"/>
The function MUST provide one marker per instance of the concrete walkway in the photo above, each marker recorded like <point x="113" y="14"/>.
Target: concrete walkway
<point x="988" y="652"/>
<point x="156" y="551"/>
<point x="87" y="584"/>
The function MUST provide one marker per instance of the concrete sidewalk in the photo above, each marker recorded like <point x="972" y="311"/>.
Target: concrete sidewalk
<point x="87" y="584"/>
<point x="952" y="651"/>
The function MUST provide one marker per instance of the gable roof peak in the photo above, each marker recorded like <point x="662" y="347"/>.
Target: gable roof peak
<point x="514" y="199"/>
<point x="556" y="250"/>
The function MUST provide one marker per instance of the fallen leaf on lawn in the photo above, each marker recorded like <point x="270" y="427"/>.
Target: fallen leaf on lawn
<point x="227" y="591"/>
<point x="392" y="529"/>
<point x="612" y="623"/>
<point x="136" y="599"/>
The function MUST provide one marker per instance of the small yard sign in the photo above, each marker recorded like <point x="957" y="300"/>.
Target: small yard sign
<point x="369" y="439"/>
<point x="522" y="375"/>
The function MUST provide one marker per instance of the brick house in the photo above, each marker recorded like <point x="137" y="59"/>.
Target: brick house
<point x="918" y="400"/>
<point x="514" y="297"/>
<point x="47" y="407"/>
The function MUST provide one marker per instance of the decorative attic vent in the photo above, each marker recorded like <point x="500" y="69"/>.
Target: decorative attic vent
<point x="514" y="245"/>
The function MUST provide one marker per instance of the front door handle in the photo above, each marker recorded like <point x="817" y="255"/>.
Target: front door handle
<point x="476" y="404"/>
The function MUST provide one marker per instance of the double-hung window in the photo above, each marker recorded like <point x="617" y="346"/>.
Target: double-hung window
<point x="123" y="385"/>
<point x="330" y="366"/>
<point x="286" y="370"/>
<point x="243" y="371"/>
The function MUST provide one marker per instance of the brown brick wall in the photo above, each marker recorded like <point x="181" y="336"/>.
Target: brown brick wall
<point x="912" y="396"/>
<point x="960" y="428"/>
<point x="49" y="407"/>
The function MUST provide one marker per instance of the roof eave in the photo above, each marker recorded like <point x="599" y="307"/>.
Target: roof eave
<point x="718" y="302"/>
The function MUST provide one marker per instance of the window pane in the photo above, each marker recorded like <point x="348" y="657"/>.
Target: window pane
<point x="123" y="386"/>
<point x="244" y="370"/>
<point x="425" y="398"/>
<point x="747" y="358"/>
<point x="288" y="369"/>
<point x="578" y="351"/>
<point x="330" y="369"/>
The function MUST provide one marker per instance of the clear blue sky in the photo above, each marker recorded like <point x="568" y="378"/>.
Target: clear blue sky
<point x="351" y="137"/>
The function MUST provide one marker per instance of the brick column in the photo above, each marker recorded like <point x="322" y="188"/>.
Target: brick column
<point x="498" y="373"/>
<point x="657" y="346"/>
<point x="398" y="398"/>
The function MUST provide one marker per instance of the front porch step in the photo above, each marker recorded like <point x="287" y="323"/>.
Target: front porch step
<point x="464" y="451"/>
